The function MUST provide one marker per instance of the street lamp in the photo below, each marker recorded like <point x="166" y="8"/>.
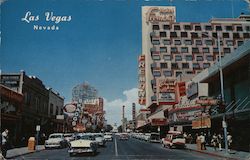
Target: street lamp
<point x="224" y="125"/>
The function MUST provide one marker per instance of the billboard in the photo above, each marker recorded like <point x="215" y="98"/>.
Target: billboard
<point x="166" y="91"/>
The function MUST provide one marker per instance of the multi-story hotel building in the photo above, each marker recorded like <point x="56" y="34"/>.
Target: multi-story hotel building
<point x="173" y="49"/>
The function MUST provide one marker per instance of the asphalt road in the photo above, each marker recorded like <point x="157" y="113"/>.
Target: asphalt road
<point x="131" y="149"/>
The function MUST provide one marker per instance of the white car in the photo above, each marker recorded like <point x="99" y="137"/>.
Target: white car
<point x="99" y="138"/>
<point x="68" y="136"/>
<point x="56" y="140"/>
<point x="108" y="137"/>
<point x="83" y="143"/>
<point x="174" y="139"/>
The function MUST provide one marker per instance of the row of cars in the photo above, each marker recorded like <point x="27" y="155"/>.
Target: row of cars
<point x="173" y="139"/>
<point x="78" y="142"/>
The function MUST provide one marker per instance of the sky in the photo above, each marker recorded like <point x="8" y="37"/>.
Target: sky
<point x="99" y="42"/>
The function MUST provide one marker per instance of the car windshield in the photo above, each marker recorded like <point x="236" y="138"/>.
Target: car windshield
<point x="67" y="135"/>
<point x="55" y="136"/>
<point x="178" y="136"/>
<point x="85" y="137"/>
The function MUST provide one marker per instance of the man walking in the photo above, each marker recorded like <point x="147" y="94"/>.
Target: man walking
<point x="203" y="142"/>
<point x="4" y="142"/>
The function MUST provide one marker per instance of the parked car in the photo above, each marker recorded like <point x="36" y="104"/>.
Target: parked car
<point x="83" y="143"/>
<point x="99" y="138"/>
<point x="155" y="137"/>
<point x="56" y="140"/>
<point x="108" y="137"/>
<point x="69" y="137"/>
<point x="123" y="136"/>
<point x="174" y="139"/>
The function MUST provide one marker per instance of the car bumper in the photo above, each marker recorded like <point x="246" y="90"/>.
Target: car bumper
<point x="52" y="145"/>
<point x="84" y="150"/>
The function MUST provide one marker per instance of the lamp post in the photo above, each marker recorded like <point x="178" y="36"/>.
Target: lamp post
<point x="224" y="125"/>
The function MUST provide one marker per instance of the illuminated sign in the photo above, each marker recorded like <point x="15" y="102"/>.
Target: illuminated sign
<point x="166" y="91"/>
<point x="160" y="14"/>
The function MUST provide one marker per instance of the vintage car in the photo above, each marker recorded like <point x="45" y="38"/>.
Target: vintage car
<point x="123" y="136"/>
<point x="68" y="136"/>
<point x="108" y="137"/>
<point x="99" y="138"/>
<point x="56" y="140"/>
<point x="174" y="139"/>
<point x="154" y="137"/>
<point x="83" y="143"/>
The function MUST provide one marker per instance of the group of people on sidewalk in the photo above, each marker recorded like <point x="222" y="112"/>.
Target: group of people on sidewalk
<point x="216" y="140"/>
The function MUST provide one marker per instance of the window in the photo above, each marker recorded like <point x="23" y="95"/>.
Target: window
<point x="208" y="28"/>
<point x="197" y="28"/>
<point x="167" y="73"/>
<point x="214" y="34"/>
<point x="246" y="35"/>
<point x="247" y="28"/>
<point x="156" y="27"/>
<point x="204" y="34"/>
<point x="184" y="34"/>
<point x="164" y="65"/>
<point x="206" y="65"/>
<point x="173" y="34"/>
<point x="174" y="50"/>
<point x="188" y="42"/>
<point x="196" y="66"/>
<point x="185" y="65"/>
<point x="189" y="72"/>
<point x="229" y="28"/>
<point x="166" y="42"/>
<point x="51" y="109"/>
<point x="239" y="28"/>
<point x="167" y="57"/>
<point x="187" y="27"/>
<point x="57" y="109"/>
<point x="184" y="49"/>
<point x="227" y="50"/>
<point x="178" y="73"/>
<point x="218" y="28"/>
<point x="156" y="73"/>
<point x="229" y="43"/>
<point x="199" y="58"/>
<point x="177" y="27"/>
<point x="195" y="50"/>
<point x="205" y="50"/>
<point x="209" y="42"/>
<point x="163" y="49"/>
<point x="225" y="35"/>
<point x="198" y="42"/>
<point x="216" y="50"/>
<point x="189" y="58"/>
<point x="156" y="57"/>
<point x="240" y="43"/>
<point x="174" y="66"/>
<point x="178" y="58"/>
<point x="166" y="27"/>
<point x="177" y="42"/>
<point x="155" y="42"/>
<point x="163" y="34"/>
<point x="210" y="58"/>
<point x="194" y="35"/>
<point x="236" y="35"/>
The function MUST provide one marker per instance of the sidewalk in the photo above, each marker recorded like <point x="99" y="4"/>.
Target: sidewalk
<point x="237" y="155"/>
<point x="12" y="153"/>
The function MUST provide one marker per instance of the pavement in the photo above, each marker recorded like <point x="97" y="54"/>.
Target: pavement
<point x="16" y="152"/>
<point x="131" y="149"/>
<point x="232" y="154"/>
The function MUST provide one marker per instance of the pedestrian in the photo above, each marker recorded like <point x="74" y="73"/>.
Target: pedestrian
<point x="220" y="141"/>
<point x="229" y="141"/>
<point x="203" y="142"/>
<point x="189" y="138"/>
<point x="214" y="141"/>
<point x="4" y="146"/>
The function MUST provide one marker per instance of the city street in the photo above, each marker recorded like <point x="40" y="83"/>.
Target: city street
<point x="131" y="149"/>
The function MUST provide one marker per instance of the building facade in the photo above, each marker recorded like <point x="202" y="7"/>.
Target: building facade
<point x="83" y="92"/>
<point x="173" y="49"/>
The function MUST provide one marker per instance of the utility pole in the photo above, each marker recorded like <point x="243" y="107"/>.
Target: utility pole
<point x="123" y="119"/>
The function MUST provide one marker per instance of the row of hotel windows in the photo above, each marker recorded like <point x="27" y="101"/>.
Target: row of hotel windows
<point x="197" y="42"/>
<point x="170" y="73"/>
<point x="186" y="50"/>
<point x="187" y="58"/>
<point x="201" y="27"/>
<point x="200" y="35"/>
<point x="177" y="66"/>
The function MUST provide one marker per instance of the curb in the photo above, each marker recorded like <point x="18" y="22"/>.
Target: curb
<point x="11" y="157"/>
<point x="213" y="154"/>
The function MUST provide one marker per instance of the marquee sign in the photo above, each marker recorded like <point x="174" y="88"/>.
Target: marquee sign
<point x="166" y="91"/>
<point x="160" y="14"/>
